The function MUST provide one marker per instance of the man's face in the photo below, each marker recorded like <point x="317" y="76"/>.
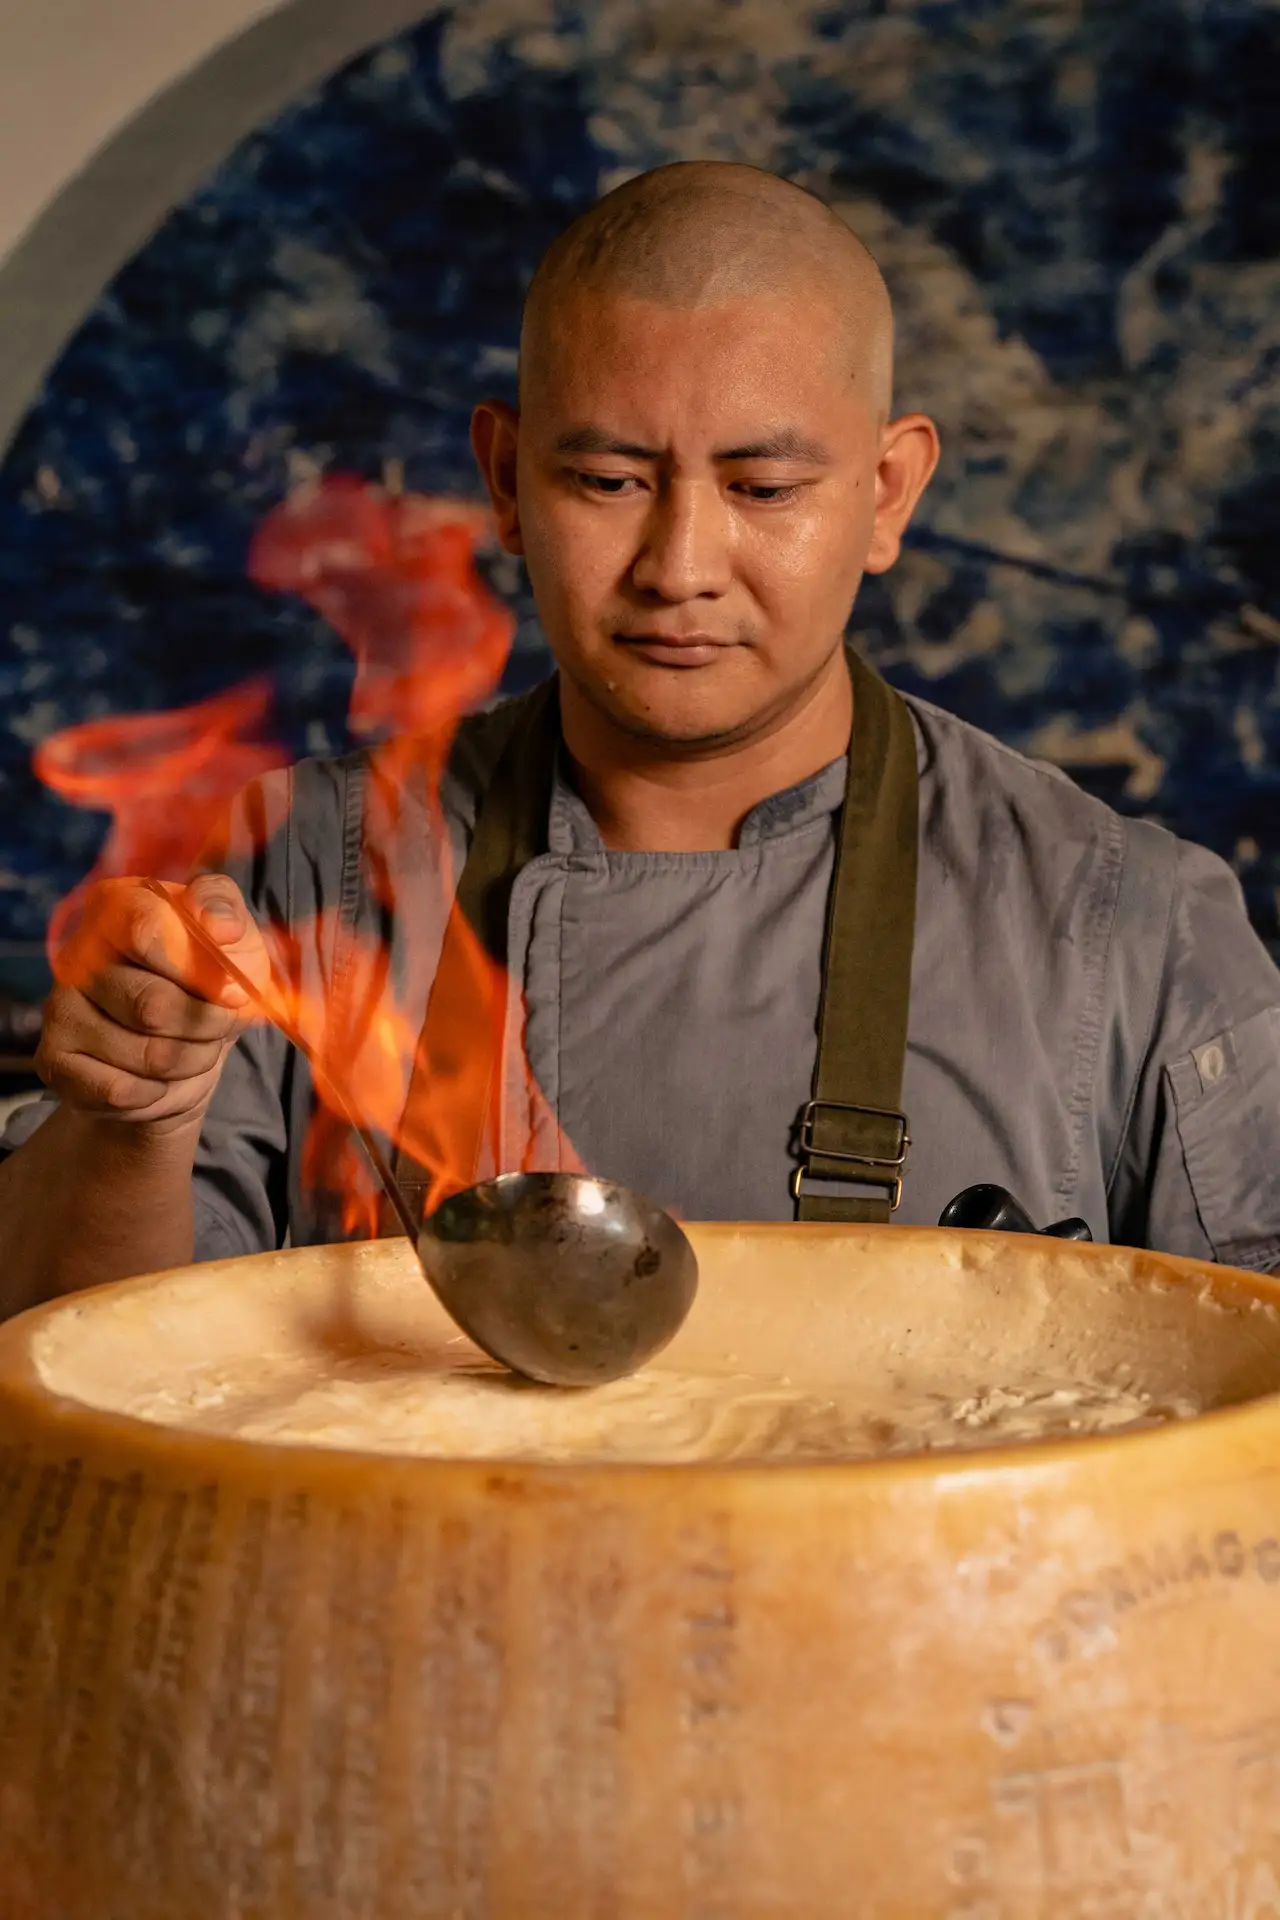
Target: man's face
<point x="695" y="495"/>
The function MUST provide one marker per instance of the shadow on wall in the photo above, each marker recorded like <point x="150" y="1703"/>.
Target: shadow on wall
<point x="1073" y="210"/>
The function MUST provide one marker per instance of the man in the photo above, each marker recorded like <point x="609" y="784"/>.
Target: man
<point x="702" y="467"/>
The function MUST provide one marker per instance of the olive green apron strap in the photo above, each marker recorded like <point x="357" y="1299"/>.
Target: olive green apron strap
<point x="853" y="1130"/>
<point x="462" y="1017"/>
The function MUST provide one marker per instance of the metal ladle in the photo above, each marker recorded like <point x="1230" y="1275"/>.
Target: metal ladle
<point x="565" y="1279"/>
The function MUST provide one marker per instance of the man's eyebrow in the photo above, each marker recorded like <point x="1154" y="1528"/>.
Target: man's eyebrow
<point x="598" y="440"/>
<point x="786" y="444"/>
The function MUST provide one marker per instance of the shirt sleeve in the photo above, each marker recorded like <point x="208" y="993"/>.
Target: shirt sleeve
<point x="1199" y="1169"/>
<point x="23" y="1121"/>
<point x="240" y="1179"/>
<point x="239" y="1184"/>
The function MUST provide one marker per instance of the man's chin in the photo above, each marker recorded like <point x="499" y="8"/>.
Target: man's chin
<point x="679" y="717"/>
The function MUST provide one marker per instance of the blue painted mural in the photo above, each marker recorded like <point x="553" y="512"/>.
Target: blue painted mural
<point x="1074" y="207"/>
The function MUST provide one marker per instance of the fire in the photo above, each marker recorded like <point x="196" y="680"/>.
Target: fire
<point x="370" y="1043"/>
<point x="395" y="575"/>
<point x="165" y="779"/>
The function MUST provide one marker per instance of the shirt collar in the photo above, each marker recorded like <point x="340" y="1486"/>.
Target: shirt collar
<point x="572" y="830"/>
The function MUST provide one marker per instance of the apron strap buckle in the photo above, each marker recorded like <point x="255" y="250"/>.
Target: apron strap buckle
<point x="865" y="1145"/>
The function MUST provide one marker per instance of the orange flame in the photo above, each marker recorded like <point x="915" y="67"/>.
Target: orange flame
<point x="395" y="575"/>
<point x="165" y="779"/>
<point x="370" y="1043"/>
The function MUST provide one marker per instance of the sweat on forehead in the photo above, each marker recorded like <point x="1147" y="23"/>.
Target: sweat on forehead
<point x="699" y="233"/>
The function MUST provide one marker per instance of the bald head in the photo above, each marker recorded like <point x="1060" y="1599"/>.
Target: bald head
<point x="703" y="233"/>
<point x="702" y="468"/>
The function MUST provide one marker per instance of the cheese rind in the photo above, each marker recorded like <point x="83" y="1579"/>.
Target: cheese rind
<point x="247" y="1681"/>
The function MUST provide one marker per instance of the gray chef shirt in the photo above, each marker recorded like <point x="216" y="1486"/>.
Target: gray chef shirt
<point x="1094" y="1025"/>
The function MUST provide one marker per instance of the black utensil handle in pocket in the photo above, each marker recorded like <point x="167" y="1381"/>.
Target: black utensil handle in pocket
<point x="993" y="1209"/>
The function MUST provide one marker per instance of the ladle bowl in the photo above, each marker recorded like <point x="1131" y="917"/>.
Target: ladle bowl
<point x="562" y="1278"/>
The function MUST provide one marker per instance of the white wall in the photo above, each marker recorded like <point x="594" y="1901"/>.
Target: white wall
<point x="111" y="113"/>
<point x="72" y="72"/>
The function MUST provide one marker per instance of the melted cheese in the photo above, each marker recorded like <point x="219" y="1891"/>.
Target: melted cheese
<point x="392" y="1403"/>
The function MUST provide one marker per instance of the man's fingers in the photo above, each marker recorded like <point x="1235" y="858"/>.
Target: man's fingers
<point x="99" y="1086"/>
<point x="77" y="1029"/>
<point x="91" y="1084"/>
<point x="219" y="905"/>
<point x="144" y="1003"/>
<point x="143" y="1014"/>
<point x="151" y="935"/>
<point x="98" y="1066"/>
<point x="125" y="922"/>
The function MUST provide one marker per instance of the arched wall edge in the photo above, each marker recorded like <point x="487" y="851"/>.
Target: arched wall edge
<point x="100" y="218"/>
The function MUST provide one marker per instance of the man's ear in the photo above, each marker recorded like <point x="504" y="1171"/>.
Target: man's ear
<point x="908" y="456"/>
<point x="495" y="431"/>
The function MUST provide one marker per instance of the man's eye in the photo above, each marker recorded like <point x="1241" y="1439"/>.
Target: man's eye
<point x="610" y="484"/>
<point x="768" y="496"/>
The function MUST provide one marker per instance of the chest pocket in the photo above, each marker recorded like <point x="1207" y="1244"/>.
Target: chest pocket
<point x="1227" y="1105"/>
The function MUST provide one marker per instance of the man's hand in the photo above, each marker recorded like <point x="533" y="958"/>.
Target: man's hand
<point x="141" y="1021"/>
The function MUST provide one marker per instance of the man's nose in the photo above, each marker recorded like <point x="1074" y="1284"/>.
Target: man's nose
<point x="687" y="550"/>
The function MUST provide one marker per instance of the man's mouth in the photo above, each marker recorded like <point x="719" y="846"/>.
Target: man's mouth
<point x="675" y="650"/>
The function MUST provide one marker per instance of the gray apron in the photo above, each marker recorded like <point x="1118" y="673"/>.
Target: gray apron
<point x="854" y="1136"/>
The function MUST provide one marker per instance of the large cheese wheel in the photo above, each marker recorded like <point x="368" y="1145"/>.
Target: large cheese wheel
<point x="281" y="1682"/>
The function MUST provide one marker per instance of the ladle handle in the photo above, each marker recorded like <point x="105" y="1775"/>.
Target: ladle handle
<point x="993" y="1209"/>
<point x="341" y="1099"/>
